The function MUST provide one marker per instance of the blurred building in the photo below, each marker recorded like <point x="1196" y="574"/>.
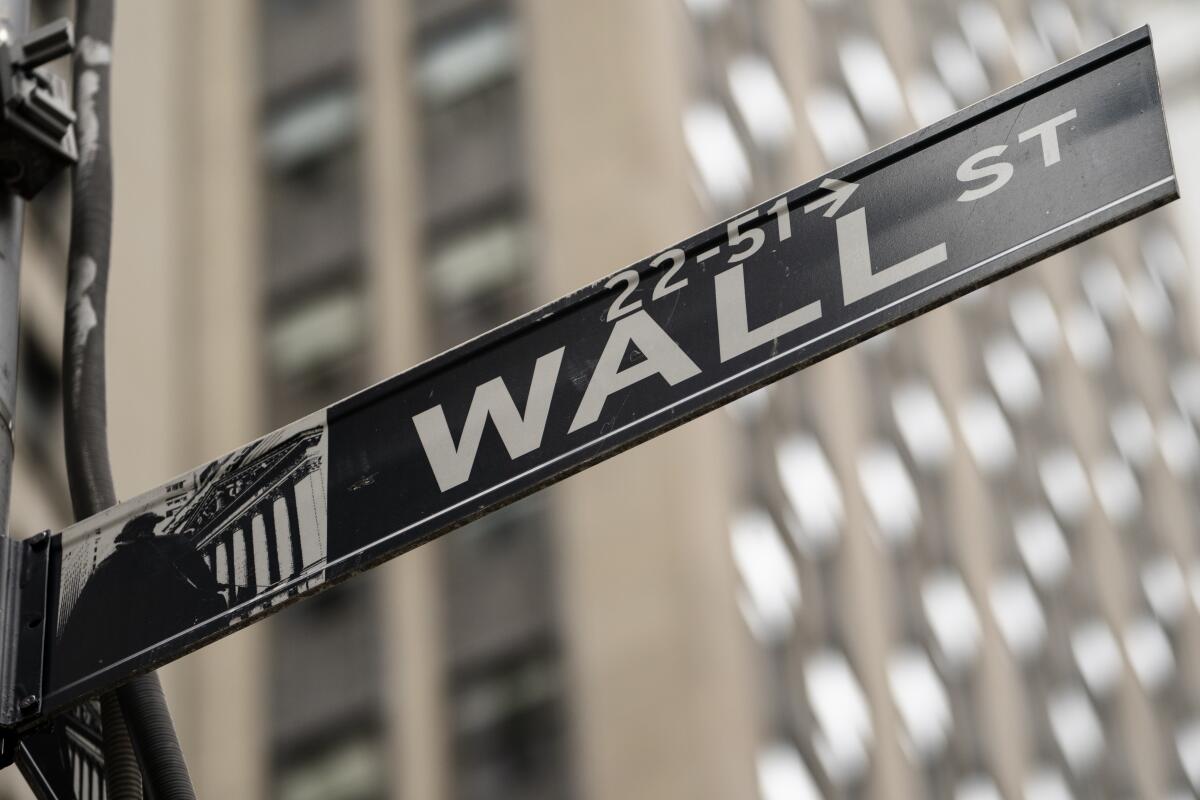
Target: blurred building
<point x="958" y="561"/>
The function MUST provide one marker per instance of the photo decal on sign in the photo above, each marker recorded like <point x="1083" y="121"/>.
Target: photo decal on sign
<point x="214" y="543"/>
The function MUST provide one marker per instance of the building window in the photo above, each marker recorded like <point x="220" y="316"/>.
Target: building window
<point x="762" y="101"/>
<point x="835" y="123"/>
<point x="303" y="41"/>
<point x="316" y="343"/>
<point x="316" y="334"/>
<point x="783" y="775"/>
<point x="505" y="703"/>
<point x="718" y="153"/>
<point x="313" y="189"/>
<point x="477" y="240"/>
<point x="468" y="61"/>
<point x="325" y="691"/>
<point x="872" y="82"/>
<point x="350" y="767"/>
<point x="315" y="306"/>
<point x="844" y="733"/>
<point x="770" y="586"/>
<point x="508" y="728"/>
<point x="497" y="586"/>
<point x="813" y="494"/>
<point x="484" y="259"/>
<point x="466" y="78"/>
<point x="319" y="125"/>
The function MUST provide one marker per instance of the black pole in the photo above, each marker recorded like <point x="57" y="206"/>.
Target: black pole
<point x="12" y="211"/>
<point x="140" y="702"/>
<point x="14" y="21"/>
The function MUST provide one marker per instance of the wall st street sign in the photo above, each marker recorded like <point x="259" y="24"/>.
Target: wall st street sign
<point x="793" y="280"/>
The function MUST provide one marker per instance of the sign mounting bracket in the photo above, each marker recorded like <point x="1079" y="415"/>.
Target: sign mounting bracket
<point x="24" y="612"/>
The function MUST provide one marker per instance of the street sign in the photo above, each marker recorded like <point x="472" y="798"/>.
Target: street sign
<point x="793" y="280"/>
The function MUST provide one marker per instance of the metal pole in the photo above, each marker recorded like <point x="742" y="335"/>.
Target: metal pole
<point x="11" y="217"/>
<point x="14" y="21"/>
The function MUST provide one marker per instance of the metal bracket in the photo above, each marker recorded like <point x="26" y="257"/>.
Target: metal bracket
<point x="37" y="139"/>
<point x="23" y="622"/>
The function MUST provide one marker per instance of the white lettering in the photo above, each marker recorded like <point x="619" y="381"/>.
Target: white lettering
<point x="1048" y="133"/>
<point x="452" y="465"/>
<point x="733" y="330"/>
<point x="858" y="280"/>
<point x="663" y="357"/>
<point x="1000" y="173"/>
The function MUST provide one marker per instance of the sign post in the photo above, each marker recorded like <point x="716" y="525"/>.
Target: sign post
<point x="989" y="190"/>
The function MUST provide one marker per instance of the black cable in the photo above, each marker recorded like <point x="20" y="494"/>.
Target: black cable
<point x="149" y="720"/>
<point x="122" y="775"/>
<point x="89" y="472"/>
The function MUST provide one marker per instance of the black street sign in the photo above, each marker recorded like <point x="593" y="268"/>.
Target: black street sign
<point x="793" y="280"/>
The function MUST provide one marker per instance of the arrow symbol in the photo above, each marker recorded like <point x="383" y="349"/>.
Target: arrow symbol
<point x="840" y="192"/>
